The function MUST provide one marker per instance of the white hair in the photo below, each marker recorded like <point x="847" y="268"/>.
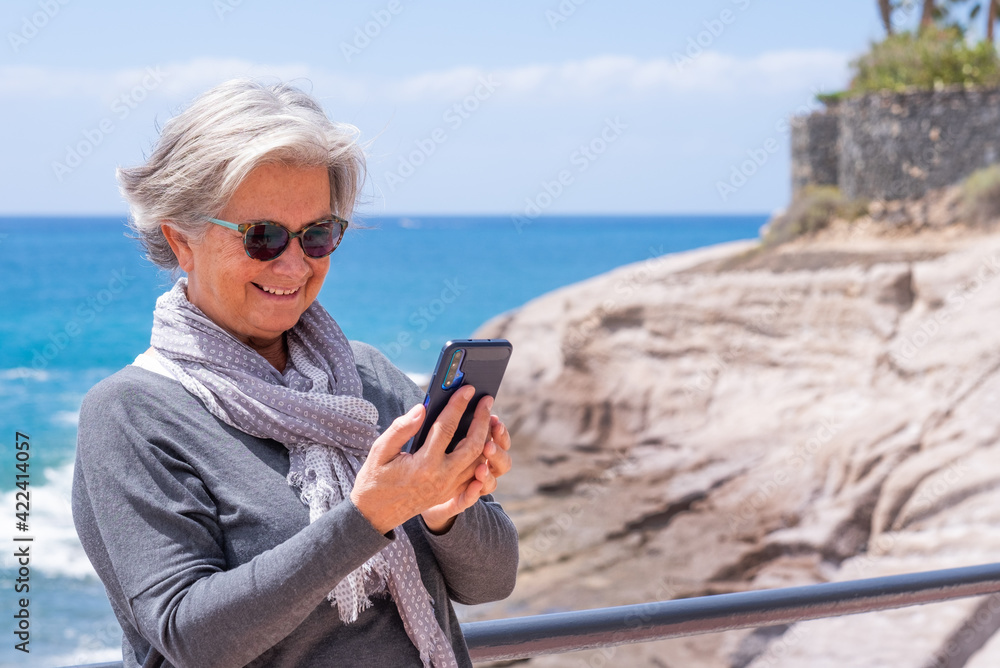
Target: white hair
<point x="205" y="152"/>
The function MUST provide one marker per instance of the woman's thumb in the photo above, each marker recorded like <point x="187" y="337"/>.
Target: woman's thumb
<point x="402" y="429"/>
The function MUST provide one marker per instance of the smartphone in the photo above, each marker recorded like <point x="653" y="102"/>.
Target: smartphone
<point x="477" y="362"/>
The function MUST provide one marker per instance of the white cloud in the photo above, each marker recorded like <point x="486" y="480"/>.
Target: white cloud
<point x="716" y="73"/>
<point x="23" y="81"/>
<point x="592" y="78"/>
<point x="200" y="74"/>
<point x="444" y="85"/>
<point x="173" y="79"/>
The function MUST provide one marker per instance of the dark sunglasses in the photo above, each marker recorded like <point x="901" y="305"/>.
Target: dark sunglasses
<point x="266" y="241"/>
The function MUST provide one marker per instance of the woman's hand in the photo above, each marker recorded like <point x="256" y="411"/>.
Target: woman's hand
<point x="394" y="486"/>
<point x="495" y="463"/>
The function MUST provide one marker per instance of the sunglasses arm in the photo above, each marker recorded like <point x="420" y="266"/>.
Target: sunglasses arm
<point x="232" y="226"/>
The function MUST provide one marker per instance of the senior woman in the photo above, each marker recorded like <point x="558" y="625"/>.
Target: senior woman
<point x="241" y="488"/>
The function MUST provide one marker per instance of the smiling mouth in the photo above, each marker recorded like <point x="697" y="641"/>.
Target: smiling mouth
<point x="277" y="291"/>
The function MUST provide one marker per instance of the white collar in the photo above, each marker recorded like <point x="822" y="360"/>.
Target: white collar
<point x="151" y="360"/>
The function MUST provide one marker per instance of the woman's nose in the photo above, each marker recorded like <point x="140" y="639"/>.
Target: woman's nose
<point x="292" y="262"/>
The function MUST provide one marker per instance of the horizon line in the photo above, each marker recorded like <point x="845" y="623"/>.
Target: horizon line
<point x="447" y="215"/>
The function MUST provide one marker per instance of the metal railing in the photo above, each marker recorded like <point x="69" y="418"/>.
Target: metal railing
<point x="524" y="637"/>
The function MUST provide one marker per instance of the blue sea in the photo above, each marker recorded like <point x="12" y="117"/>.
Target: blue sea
<point x="78" y="301"/>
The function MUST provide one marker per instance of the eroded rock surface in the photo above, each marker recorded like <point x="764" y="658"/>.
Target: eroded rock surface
<point x="721" y="420"/>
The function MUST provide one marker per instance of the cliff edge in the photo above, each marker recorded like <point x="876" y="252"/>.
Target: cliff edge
<point x="733" y="418"/>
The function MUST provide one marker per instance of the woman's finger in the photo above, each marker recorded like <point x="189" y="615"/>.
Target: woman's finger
<point x="499" y="433"/>
<point x="469" y="495"/>
<point x="479" y="430"/>
<point x="500" y="463"/>
<point x="443" y="429"/>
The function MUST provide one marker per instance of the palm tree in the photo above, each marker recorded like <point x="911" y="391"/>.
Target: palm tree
<point x="885" y="11"/>
<point x="927" y="15"/>
<point x="991" y="17"/>
<point x="992" y="6"/>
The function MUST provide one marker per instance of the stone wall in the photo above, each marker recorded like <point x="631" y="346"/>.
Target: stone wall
<point x="898" y="145"/>
<point x="814" y="150"/>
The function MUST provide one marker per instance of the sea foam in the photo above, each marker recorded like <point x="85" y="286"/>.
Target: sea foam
<point x="56" y="549"/>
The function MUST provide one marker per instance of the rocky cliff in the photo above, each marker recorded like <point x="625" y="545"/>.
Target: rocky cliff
<point x="731" y="419"/>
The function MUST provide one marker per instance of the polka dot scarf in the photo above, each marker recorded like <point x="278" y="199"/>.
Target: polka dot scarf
<point x="315" y="409"/>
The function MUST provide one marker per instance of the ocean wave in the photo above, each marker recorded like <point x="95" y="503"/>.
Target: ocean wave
<point x="56" y="548"/>
<point x="421" y="379"/>
<point x="71" y="418"/>
<point x="87" y="653"/>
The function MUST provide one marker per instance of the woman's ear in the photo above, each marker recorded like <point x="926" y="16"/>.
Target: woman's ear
<point x="179" y="245"/>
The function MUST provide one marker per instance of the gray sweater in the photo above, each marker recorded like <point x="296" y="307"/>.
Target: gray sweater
<point x="207" y="553"/>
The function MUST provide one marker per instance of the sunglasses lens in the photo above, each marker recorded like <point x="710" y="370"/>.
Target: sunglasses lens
<point x="265" y="241"/>
<point x="322" y="239"/>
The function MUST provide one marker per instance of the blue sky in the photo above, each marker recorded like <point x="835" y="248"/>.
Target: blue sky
<point x="579" y="106"/>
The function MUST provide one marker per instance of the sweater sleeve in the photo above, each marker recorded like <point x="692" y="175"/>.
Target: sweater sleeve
<point x="478" y="555"/>
<point x="157" y="529"/>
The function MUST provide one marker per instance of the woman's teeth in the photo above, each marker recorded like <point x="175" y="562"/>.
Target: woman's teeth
<point x="276" y="291"/>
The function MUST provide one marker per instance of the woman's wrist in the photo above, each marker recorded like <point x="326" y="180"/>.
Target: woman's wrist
<point x="437" y="525"/>
<point x="381" y="524"/>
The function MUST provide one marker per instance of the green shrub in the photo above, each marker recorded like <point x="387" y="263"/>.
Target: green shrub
<point x="810" y="211"/>
<point x="933" y="58"/>
<point x="981" y="195"/>
<point x="831" y="99"/>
